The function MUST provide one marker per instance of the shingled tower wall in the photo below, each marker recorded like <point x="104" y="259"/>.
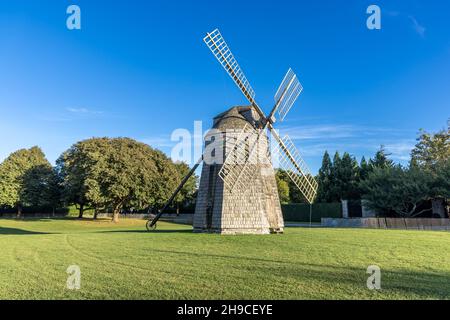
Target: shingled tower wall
<point x="252" y="209"/>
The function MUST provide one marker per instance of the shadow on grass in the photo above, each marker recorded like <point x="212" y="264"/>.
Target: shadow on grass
<point x="149" y="232"/>
<point x="401" y="282"/>
<point x="15" y="231"/>
<point x="425" y="284"/>
<point x="56" y="218"/>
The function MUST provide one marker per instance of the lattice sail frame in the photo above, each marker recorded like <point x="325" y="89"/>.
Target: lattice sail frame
<point x="216" y="43"/>
<point x="287" y="93"/>
<point x="231" y="173"/>
<point x="244" y="154"/>
<point x="298" y="171"/>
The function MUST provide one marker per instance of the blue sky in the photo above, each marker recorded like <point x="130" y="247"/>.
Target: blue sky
<point x="140" y="69"/>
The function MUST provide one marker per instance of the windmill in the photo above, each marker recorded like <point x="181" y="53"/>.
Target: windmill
<point x="239" y="194"/>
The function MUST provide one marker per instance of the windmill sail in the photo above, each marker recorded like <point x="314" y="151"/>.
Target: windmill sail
<point x="246" y="152"/>
<point x="216" y="43"/>
<point x="287" y="94"/>
<point x="296" y="168"/>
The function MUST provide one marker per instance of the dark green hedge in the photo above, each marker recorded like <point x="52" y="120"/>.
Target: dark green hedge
<point x="300" y="211"/>
<point x="32" y="210"/>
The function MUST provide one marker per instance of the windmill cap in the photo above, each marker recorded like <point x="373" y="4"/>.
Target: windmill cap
<point x="236" y="117"/>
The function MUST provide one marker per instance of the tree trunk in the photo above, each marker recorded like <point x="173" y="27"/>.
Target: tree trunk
<point x="19" y="211"/>
<point x="438" y="207"/>
<point x="53" y="211"/>
<point x="115" y="218"/>
<point x="95" y="213"/>
<point x="80" y="215"/>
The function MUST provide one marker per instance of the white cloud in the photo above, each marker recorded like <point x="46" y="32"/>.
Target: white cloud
<point x="400" y="150"/>
<point x="420" y="30"/>
<point x="335" y="131"/>
<point x="314" y="140"/>
<point x="319" y="132"/>
<point x="158" y="141"/>
<point x="417" y="27"/>
<point x="83" y="111"/>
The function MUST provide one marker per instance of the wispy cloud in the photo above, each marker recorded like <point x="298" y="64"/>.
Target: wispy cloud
<point x="420" y="29"/>
<point x="400" y="150"/>
<point x="83" y="111"/>
<point x="414" y="22"/>
<point x="320" y="132"/>
<point x="314" y="140"/>
<point x="160" y="141"/>
<point x="335" y="131"/>
<point x="53" y="118"/>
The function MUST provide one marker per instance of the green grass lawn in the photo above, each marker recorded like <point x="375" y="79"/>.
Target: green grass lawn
<point x="123" y="261"/>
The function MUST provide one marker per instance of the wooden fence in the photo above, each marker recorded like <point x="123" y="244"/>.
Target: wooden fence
<point x="388" y="223"/>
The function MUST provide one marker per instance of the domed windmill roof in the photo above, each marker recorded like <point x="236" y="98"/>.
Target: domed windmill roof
<point x="236" y="118"/>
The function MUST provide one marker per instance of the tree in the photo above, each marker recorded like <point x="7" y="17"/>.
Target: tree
<point x="41" y="187"/>
<point x="431" y="149"/>
<point x="79" y="168"/>
<point x="381" y="159"/>
<point x="22" y="176"/>
<point x="282" y="185"/>
<point x="441" y="183"/>
<point x="324" y="179"/>
<point x="432" y="154"/>
<point x="364" y="169"/>
<point x="347" y="177"/>
<point x="344" y="178"/>
<point x="187" y="193"/>
<point x="116" y="173"/>
<point x="396" y="189"/>
<point x="335" y="191"/>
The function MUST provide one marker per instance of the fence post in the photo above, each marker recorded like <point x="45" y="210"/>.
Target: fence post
<point x="310" y="215"/>
<point x="344" y="209"/>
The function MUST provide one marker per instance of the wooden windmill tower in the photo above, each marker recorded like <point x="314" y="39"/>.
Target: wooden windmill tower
<point x="238" y="191"/>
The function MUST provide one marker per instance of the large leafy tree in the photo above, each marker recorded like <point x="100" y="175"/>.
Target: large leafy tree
<point x="282" y="180"/>
<point x="26" y="176"/>
<point x="295" y="195"/>
<point x="431" y="150"/>
<point x="441" y="181"/>
<point x="432" y="154"/>
<point x="41" y="187"/>
<point x="79" y="168"/>
<point x="187" y="193"/>
<point x="117" y="173"/>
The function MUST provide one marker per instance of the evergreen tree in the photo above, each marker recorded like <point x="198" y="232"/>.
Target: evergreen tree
<point x="381" y="159"/>
<point x="364" y="169"/>
<point x="324" y="179"/>
<point x="349" y="177"/>
<point x="346" y="177"/>
<point x="335" y="186"/>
